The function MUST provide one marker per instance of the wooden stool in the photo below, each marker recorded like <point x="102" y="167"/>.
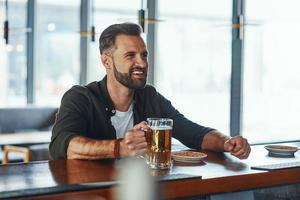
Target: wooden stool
<point x="8" y="149"/>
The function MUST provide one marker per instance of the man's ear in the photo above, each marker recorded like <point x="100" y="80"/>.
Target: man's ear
<point x="106" y="60"/>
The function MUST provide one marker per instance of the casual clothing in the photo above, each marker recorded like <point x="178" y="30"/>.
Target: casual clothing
<point x="122" y="121"/>
<point x="87" y="110"/>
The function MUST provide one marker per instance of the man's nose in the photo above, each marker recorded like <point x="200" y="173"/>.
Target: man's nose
<point x="141" y="61"/>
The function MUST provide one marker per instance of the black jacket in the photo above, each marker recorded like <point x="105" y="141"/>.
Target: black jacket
<point x="86" y="111"/>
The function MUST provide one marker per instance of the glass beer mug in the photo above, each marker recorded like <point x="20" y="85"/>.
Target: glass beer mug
<point x="159" y="143"/>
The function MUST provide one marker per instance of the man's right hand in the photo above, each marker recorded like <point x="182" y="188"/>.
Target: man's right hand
<point x="134" y="142"/>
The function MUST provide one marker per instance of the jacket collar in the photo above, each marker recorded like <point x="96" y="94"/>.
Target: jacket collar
<point x="110" y="109"/>
<point x="105" y="96"/>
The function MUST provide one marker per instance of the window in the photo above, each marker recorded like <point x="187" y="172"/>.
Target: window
<point x="13" y="56"/>
<point x="105" y="14"/>
<point x="57" y="49"/>
<point x="194" y="59"/>
<point x="272" y="73"/>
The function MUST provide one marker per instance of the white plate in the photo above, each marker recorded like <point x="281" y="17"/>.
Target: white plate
<point x="188" y="156"/>
<point x="281" y="150"/>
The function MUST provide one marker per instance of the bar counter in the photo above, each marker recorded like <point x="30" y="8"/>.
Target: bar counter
<point x="78" y="179"/>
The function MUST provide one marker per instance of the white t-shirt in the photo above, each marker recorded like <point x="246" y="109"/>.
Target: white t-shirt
<point x="122" y="121"/>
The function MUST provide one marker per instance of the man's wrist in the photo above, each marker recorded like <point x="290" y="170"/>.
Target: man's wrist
<point x="117" y="146"/>
<point x="225" y="139"/>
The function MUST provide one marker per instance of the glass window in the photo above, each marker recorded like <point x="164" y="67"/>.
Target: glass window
<point x="57" y="49"/>
<point x="13" y="56"/>
<point x="194" y="59"/>
<point x="107" y="13"/>
<point x="272" y="73"/>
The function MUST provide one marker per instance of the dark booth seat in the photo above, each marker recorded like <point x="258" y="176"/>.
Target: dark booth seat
<point x="13" y="120"/>
<point x="27" y="120"/>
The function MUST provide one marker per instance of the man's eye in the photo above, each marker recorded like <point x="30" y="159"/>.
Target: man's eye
<point x="130" y="55"/>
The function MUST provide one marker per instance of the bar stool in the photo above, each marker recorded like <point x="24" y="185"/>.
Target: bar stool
<point x="31" y="153"/>
<point x="8" y="149"/>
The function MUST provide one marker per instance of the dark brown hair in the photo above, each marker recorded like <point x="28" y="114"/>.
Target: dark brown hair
<point x="108" y="36"/>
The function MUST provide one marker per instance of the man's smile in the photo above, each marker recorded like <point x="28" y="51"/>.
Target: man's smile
<point x="138" y="73"/>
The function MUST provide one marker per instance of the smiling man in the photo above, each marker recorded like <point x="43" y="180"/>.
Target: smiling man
<point x="106" y="119"/>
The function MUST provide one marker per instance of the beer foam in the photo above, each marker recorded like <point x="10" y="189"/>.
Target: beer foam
<point x="161" y="128"/>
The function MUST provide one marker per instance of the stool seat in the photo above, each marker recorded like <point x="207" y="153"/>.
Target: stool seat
<point x="36" y="152"/>
<point x="39" y="152"/>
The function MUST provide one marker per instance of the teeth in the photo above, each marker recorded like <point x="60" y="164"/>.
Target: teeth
<point x="137" y="72"/>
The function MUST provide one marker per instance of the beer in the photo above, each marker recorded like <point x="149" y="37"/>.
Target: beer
<point x="159" y="145"/>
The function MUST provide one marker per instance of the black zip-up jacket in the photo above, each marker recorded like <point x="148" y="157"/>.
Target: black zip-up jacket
<point x="86" y="111"/>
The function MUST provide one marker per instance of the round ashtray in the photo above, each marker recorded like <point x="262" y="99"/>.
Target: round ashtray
<point x="281" y="150"/>
<point x="188" y="156"/>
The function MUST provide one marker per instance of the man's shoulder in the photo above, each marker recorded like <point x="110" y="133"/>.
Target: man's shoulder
<point x="79" y="90"/>
<point x="148" y="89"/>
<point x="148" y="93"/>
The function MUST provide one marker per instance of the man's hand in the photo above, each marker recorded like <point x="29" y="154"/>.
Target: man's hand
<point x="134" y="142"/>
<point x="238" y="146"/>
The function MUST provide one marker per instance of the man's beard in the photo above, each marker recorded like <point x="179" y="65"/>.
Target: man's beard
<point x="127" y="80"/>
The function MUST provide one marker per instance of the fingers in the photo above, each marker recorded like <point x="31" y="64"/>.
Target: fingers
<point x="242" y="153"/>
<point x="228" y="146"/>
<point x="138" y="147"/>
<point x="141" y="126"/>
<point x="135" y="137"/>
<point x="135" y="140"/>
<point x="246" y="154"/>
<point x="137" y="152"/>
<point x="238" y="146"/>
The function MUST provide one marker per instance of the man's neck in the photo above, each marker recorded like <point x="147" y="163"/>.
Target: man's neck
<point x="120" y="95"/>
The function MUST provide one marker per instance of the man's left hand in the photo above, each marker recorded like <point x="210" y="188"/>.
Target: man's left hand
<point x="238" y="146"/>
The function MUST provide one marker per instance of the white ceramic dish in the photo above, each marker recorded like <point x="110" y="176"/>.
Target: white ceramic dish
<point x="188" y="156"/>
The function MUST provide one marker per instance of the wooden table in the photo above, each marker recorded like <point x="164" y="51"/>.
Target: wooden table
<point x="25" y="138"/>
<point x="75" y="179"/>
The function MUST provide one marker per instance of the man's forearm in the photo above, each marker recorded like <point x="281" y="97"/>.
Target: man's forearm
<point x="91" y="149"/>
<point x="214" y="140"/>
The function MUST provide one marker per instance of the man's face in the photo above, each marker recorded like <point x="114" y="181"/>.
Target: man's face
<point x="130" y="61"/>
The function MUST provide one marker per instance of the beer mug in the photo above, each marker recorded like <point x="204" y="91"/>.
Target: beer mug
<point x="159" y="143"/>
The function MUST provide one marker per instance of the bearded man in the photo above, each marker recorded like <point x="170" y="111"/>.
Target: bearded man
<point x="107" y="119"/>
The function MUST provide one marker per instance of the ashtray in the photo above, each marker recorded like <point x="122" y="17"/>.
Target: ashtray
<point x="281" y="150"/>
<point x="188" y="156"/>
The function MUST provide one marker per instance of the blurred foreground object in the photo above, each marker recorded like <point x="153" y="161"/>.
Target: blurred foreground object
<point x="136" y="181"/>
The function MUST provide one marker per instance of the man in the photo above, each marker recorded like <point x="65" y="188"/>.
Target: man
<point x="93" y="120"/>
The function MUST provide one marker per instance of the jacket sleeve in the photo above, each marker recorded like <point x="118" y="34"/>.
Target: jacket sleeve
<point x="189" y="133"/>
<point x="71" y="120"/>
